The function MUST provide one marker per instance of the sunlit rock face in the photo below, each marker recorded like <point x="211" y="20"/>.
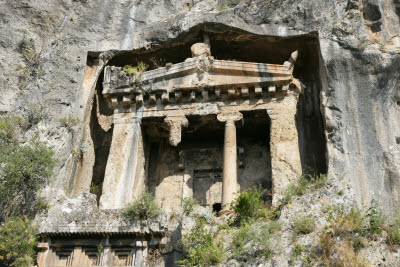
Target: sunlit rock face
<point x="346" y="118"/>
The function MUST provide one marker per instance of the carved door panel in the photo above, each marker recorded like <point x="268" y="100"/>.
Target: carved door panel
<point x="208" y="186"/>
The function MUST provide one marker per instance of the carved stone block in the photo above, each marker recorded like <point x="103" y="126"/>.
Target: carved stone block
<point x="152" y="99"/>
<point x="139" y="100"/>
<point x="258" y="90"/>
<point x="165" y="97"/>
<point x="204" y="93"/>
<point x="245" y="92"/>
<point x="271" y="89"/>
<point x="126" y="100"/>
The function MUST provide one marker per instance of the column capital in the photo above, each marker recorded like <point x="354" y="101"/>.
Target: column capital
<point x="230" y="117"/>
<point x="175" y="125"/>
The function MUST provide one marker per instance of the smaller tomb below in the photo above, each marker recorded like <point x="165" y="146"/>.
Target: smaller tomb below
<point x="88" y="236"/>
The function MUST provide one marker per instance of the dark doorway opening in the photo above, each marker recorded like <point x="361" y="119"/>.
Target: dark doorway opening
<point x="217" y="207"/>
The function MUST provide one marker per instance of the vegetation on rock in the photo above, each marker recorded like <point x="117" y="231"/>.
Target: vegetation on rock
<point x="394" y="233"/>
<point x="24" y="168"/>
<point x="136" y="70"/>
<point x="188" y="204"/>
<point x="142" y="208"/>
<point x="304" y="224"/>
<point x="201" y="247"/>
<point x="10" y="127"/>
<point x="36" y="113"/>
<point x="248" y="204"/>
<point x="27" y="48"/>
<point x="222" y="5"/>
<point x="332" y="235"/>
<point x="249" y="240"/>
<point x="69" y="121"/>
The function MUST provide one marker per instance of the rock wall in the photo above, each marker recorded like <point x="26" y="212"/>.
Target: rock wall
<point x="359" y="68"/>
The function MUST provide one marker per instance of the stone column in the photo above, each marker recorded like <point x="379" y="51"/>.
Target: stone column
<point x="229" y="181"/>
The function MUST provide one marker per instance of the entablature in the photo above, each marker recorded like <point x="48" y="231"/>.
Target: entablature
<point x="199" y="79"/>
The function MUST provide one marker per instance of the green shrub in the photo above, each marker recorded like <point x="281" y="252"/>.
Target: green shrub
<point x="298" y="249"/>
<point x="248" y="204"/>
<point x="301" y="186"/>
<point x="24" y="75"/>
<point x="259" y="238"/>
<point x="36" y="113"/>
<point x="304" y="224"/>
<point x="69" y="121"/>
<point x="273" y="227"/>
<point x="142" y="208"/>
<point x="358" y="243"/>
<point x="267" y="212"/>
<point x="136" y="70"/>
<point x="375" y="218"/>
<point x="188" y="204"/>
<point x="240" y="238"/>
<point x="346" y="256"/>
<point x="100" y="250"/>
<point x="341" y="221"/>
<point x="326" y="244"/>
<point x="223" y="226"/>
<point x="18" y="241"/>
<point x="200" y="248"/>
<point x="264" y="243"/>
<point x="355" y="220"/>
<point x="27" y="48"/>
<point x="130" y="70"/>
<point x="222" y="5"/>
<point x="142" y="67"/>
<point x="42" y="204"/>
<point x="394" y="233"/>
<point x="95" y="188"/>
<point x="24" y="169"/>
<point x="10" y="126"/>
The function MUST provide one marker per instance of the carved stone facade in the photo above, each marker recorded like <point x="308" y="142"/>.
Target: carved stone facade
<point x="202" y="128"/>
<point x="168" y="98"/>
<point x="100" y="251"/>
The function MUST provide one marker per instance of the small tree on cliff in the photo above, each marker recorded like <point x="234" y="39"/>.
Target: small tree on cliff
<point x="23" y="169"/>
<point x="18" y="240"/>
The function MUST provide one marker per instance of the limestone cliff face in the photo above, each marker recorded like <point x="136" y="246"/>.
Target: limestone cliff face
<point x="359" y="43"/>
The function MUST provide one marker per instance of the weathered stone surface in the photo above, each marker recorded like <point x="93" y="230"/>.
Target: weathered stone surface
<point x="124" y="174"/>
<point x="358" y="67"/>
<point x="81" y="215"/>
<point x="175" y="128"/>
<point x="230" y="180"/>
<point x="200" y="49"/>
